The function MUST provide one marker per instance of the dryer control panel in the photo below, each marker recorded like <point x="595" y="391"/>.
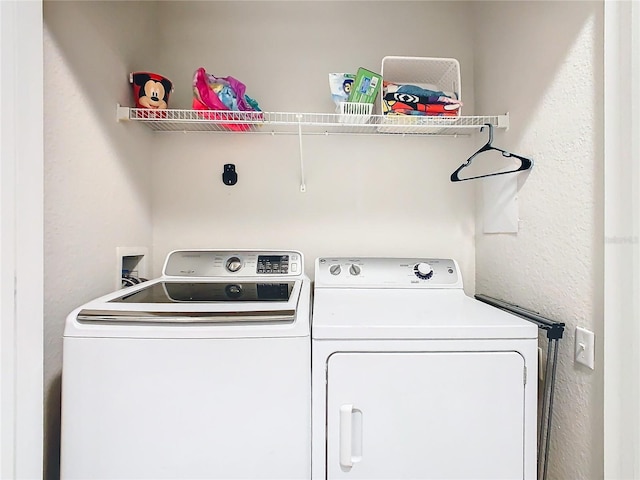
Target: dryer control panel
<point x="375" y="272"/>
<point x="233" y="263"/>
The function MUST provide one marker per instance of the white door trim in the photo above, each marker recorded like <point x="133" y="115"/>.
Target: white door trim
<point x="21" y="239"/>
<point x="622" y="250"/>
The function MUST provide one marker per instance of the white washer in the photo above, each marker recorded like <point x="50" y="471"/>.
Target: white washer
<point x="412" y="379"/>
<point x="203" y="373"/>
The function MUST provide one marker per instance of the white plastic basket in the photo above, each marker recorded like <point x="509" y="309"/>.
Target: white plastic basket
<point x="440" y="74"/>
<point x="351" y="112"/>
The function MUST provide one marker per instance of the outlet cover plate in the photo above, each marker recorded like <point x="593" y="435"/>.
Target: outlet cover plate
<point x="585" y="347"/>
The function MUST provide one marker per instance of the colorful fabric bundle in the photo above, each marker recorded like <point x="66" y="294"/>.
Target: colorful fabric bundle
<point x="222" y="93"/>
<point x="414" y="100"/>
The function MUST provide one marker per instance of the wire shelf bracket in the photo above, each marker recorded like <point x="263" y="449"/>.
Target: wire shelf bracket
<point x="303" y="187"/>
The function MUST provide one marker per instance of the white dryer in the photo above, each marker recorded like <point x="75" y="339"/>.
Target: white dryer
<point x="412" y="379"/>
<point x="203" y="373"/>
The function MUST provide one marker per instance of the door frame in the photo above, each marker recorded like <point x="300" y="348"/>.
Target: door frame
<point x="21" y="239"/>
<point x="621" y="239"/>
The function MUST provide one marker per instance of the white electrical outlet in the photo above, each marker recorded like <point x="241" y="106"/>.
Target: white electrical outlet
<point x="585" y="347"/>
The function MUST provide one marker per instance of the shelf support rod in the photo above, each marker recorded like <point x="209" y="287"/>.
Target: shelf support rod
<point x="303" y="187"/>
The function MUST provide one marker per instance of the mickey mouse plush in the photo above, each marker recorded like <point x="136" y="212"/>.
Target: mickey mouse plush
<point x="151" y="90"/>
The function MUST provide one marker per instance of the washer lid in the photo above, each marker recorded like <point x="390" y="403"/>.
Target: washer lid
<point x="210" y="292"/>
<point x="411" y="314"/>
<point x="197" y="308"/>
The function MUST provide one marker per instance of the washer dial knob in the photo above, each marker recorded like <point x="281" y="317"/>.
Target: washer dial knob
<point x="335" y="269"/>
<point x="423" y="270"/>
<point x="234" y="264"/>
<point x="354" y="269"/>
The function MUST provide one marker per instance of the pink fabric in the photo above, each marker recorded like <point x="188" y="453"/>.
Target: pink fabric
<point x="207" y="96"/>
<point x="205" y="99"/>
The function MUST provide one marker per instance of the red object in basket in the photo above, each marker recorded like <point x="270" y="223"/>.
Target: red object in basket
<point x="218" y="115"/>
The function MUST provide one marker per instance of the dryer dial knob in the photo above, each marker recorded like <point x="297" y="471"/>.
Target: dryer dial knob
<point x="354" y="269"/>
<point x="423" y="270"/>
<point x="335" y="269"/>
<point x="234" y="264"/>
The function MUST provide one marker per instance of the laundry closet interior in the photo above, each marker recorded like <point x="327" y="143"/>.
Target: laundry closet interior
<point x="114" y="186"/>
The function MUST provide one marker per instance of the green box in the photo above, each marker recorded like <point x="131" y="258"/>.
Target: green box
<point x="365" y="87"/>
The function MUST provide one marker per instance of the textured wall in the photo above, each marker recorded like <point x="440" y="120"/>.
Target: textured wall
<point x="362" y="198"/>
<point x="365" y="195"/>
<point x="542" y="61"/>
<point x="96" y="170"/>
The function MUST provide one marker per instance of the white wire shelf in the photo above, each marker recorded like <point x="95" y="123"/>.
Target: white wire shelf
<point x="174" y="120"/>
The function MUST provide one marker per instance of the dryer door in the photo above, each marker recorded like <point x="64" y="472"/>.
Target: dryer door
<point x="436" y="415"/>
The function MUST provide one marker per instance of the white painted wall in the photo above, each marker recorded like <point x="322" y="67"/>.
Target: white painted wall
<point x="283" y="50"/>
<point x="365" y="195"/>
<point x="543" y="62"/>
<point x="97" y="180"/>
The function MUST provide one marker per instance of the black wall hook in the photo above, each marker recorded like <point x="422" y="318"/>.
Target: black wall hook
<point x="229" y="175"/>
<point x="525" y="163"/>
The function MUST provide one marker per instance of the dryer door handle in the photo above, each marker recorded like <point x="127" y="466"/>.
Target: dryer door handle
<point x="350" y="436"/>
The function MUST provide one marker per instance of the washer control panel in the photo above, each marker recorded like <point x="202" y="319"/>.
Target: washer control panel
<point x="374" y="272"/>
<point x="233" y="263"/>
